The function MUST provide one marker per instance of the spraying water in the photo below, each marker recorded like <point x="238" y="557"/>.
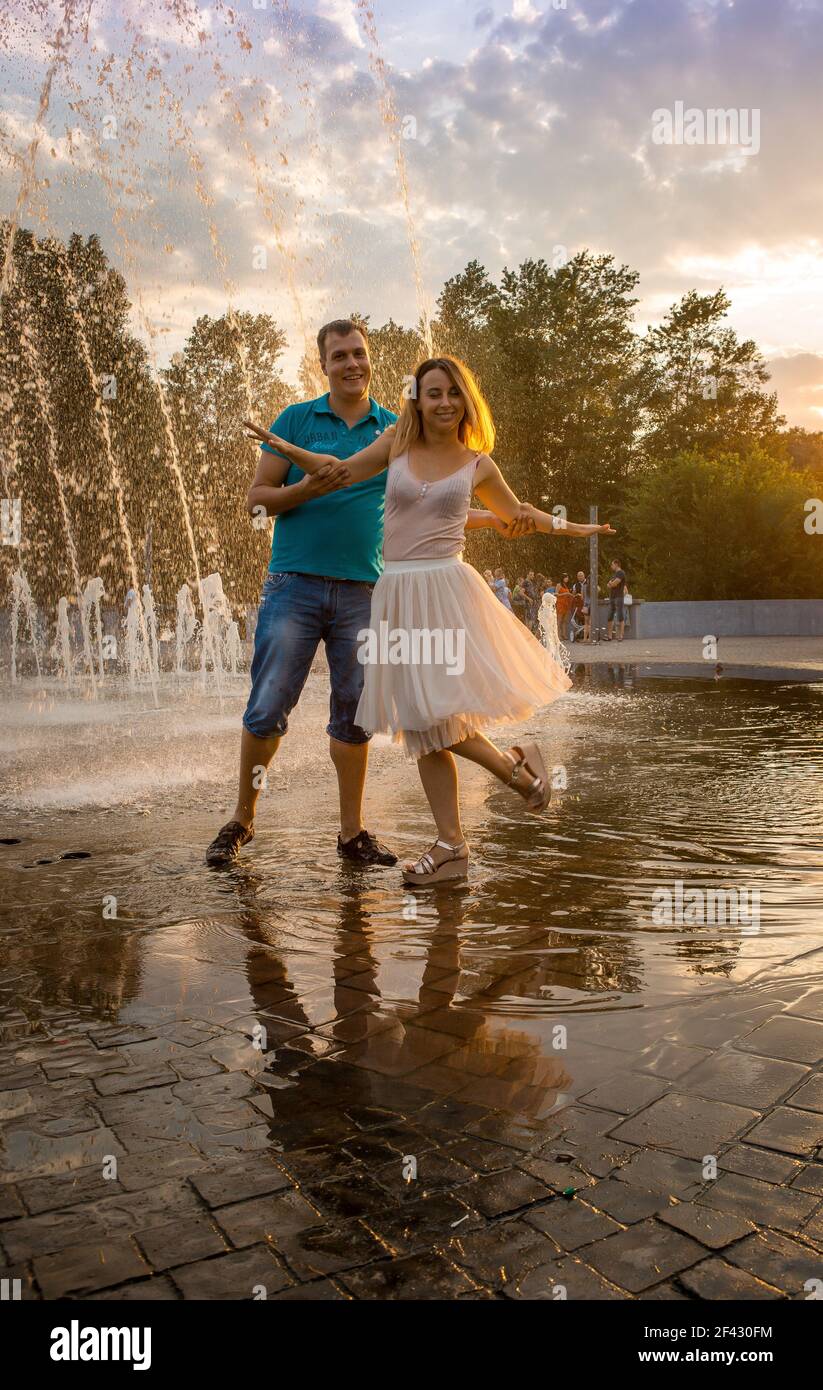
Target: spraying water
<point x="21" y="599"/>
<point x="388" y="113"/>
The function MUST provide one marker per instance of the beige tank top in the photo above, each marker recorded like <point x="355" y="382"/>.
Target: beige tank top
<point x="426" y="520"/>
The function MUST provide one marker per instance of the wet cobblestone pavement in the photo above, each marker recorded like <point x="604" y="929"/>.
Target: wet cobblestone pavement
<point x="294" y="1080"/>
<point x="398" y="1161"/>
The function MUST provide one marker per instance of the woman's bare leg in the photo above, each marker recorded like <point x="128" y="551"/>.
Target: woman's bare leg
<point x="479" y="749"/>
<point x="438" y="773"/>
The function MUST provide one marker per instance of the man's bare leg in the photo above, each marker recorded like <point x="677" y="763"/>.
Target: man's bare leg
<point x="351" y="761"/>
<point x="255" y="756"/>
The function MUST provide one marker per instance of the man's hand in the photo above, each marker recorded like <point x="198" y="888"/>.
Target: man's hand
<point x="521" y="524"/>
<point x="330" y="478"/>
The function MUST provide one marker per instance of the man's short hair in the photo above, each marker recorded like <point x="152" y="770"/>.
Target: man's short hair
<point x="615" y="561"/>
<point x="341" y="327"/>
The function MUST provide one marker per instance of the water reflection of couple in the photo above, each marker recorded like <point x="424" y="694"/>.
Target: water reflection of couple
<point x="328" y="470"/>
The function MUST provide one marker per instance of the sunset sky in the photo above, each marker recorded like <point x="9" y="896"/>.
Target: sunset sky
<point x="531" y="124"/>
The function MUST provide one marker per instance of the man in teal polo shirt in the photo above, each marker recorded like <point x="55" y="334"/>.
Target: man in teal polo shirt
<point x="326" y="558"/>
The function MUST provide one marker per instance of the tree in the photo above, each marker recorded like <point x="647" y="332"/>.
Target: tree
<point x="726" y="527"/>
<point x="228" y="370"/>
<point x="708" y="387"/>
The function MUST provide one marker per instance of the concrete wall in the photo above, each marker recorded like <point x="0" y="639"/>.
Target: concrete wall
<point x="730" y="618"/>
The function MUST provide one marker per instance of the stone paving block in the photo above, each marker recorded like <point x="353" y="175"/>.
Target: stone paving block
<point x="750" y="1162"/>
<point x="432" y="1220"/>
<point x="241" y="1274"/>
<point x="118" y="1035"/>
<point x="312" y="1166"/>
<point x="670" y="1059"/>
<point x="327" y="1249"/>
<point x="625" y="1202"/>
<point x="626" y="1094"/>
<point x="808" y="1005"/>
<point x="318" y="1291"/>
<point x="714" y="1229"/>
<point x="194" y="1064"/>
<point x="67" y="1189"/>
<point x="274" y="1217"/>
<point x="355" y="1195"/>
<point x="417" y="1277"/>
<point x="796" y="1039"/>
<point x="83" y="1268"/>
<point x="571" y="1224"/>
<point x="497" y="1254"/>
<point x="565" y="1278"/>
<point x="784" y="1208"/>
<point x="10" y="1203"/>
<point x="508" y="1131"/>
<point x="180" y="1242"/>
<point x="777" y="1260"/>
<point x="27" y="1151"/>
<point x="157" y="1290"/>
<point x="138" y="1171"/>
<point x="221" y="1184"/>
<point x="20" y="1077"/>
<point x="662" y="1172"/>
<point x="663" y="1293"/>
<point x="119" y="1083"/>
<point x="714" y="1280"/>
<point x="14" y="1104"/>
<point x="743" y="1078"/>
<point x="789" y="1131"/>
<point x="495" y="1194"/>
<point x="688" y="1125"/>
<point x="809" y="1096"/>
<point x="436" y="1172"/>
<point x="644" y="1255"/>
<point x="809" y="1179"/>
<point x="556" y="1176"/>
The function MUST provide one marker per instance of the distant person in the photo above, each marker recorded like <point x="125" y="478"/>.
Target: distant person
<point x="502" y="589"/>
<point x="489" y="578"/>
<point x="565" y="603"/>
<point x="616" y="586"/>
<point x="131" y="595"/>
<point x="520" y="600"/>
<point x="582" y="614"/>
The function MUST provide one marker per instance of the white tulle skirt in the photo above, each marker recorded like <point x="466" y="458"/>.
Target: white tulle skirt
<point x="444" y="658"/>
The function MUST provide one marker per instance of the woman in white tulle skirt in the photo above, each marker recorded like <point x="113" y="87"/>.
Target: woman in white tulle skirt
<point x="443" y="658"/>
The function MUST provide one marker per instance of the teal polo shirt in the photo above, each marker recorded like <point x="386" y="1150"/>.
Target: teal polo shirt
<point x="341" y="533"/>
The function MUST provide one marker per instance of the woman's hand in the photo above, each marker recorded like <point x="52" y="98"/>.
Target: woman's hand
<point x="335" y="472"/>
<point x="330" y="478"/>
<point x="521" y="524"/>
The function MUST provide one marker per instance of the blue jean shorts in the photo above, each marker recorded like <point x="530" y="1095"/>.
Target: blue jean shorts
<point x="297" y="612"/>
<point x="616" y="609"/>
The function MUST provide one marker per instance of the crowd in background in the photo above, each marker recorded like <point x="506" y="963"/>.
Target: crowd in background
<point x="571" y="598"/>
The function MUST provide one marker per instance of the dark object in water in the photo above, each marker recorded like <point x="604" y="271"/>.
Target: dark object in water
<point x="9" y="840"/>
<point x="76" y="854"/>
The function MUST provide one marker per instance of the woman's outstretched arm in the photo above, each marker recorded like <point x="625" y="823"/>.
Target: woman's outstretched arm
<point x="495" y="493"/>
<point x="364" y="464"/>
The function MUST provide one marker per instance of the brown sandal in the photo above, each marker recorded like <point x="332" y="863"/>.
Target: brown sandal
<point x="426" y="870"/>
<point x="530" y="778"/>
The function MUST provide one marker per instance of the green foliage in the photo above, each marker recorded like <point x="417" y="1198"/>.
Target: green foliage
<point x="725" y="527"/>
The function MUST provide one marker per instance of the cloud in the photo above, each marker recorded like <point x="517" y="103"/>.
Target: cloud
<point x="533" y="130"/>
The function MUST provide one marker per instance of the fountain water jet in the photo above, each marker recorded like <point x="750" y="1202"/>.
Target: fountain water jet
<point x="21" y="598"/>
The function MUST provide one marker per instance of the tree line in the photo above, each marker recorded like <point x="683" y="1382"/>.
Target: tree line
<point x="673" y="433"/>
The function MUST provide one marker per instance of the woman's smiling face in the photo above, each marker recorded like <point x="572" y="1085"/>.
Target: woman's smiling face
<point x="440" y="402"/>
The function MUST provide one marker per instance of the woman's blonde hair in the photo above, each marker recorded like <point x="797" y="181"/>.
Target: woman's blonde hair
<point x="476" y="429"/>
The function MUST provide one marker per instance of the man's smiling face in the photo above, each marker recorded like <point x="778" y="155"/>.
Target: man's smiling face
<point x="347" y="366"/>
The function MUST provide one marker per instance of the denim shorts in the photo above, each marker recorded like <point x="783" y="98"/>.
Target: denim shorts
<point x="297" y="612"/>
<point x="616" y="608"/>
